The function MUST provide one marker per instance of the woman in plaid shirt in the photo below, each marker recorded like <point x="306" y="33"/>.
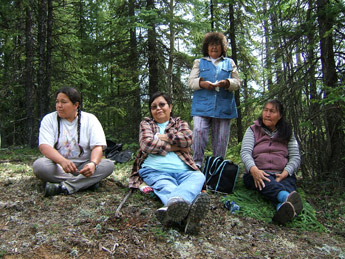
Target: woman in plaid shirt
<point x="164" y="163"/>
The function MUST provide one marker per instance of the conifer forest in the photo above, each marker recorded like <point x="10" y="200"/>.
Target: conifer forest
<point x="118" y="52"/>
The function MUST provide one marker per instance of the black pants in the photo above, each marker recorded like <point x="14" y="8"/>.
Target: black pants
<point x="273" y="187"/>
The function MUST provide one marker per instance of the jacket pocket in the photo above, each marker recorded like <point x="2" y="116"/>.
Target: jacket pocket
<point x="204" y="70"/>
<point x="226" y="70"/>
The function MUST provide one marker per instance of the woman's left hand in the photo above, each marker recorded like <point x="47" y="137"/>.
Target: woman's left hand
<point x="181" y="149"/>
<point x="163" y="137"/>
<point x="223" y="84"/>
<point x="88" y="169"/>
<point x="96" y="156"/>
<point x="282" y="176"/>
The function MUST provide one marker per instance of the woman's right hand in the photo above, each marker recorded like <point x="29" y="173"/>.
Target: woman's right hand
<point x="163" y="137"/>
<point x="259" y="177"/>
<point x="51" y="153"/>
<point x="181" y="149"/>
<point x="68" y="166"/>
<point x="174" y="148"/>
<point x="207" y="85"/>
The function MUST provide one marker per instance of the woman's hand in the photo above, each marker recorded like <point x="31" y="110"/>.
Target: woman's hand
<point x="163" y="137"/>
<point x="51" y="153"/>
<point x="174" y="148"/>
<point x="259" y="177"/>
<point x="96" y="156"/>
<point x="223" y="84"/>
<point x="207" y="85"/>
<point x="282" y="176"/>
<point x="88" y="169"/>
<point x="181" y="149"/>
<point x="68" y="166"/>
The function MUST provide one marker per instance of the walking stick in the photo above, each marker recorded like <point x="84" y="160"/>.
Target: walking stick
<point x="117" y="213"/>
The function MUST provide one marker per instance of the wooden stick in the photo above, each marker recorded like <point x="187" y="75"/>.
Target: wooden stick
<point x="117" y="213"/>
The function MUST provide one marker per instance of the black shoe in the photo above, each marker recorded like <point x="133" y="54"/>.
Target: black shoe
<point x="296" y="201"/>
<point x="197" y="212"/>
<point x="52" y="189"/>
<point x="285" y="213"/>
<point x="94" y="187"/>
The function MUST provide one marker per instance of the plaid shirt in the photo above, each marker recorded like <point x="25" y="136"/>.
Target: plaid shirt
<point x="179" y="135"/>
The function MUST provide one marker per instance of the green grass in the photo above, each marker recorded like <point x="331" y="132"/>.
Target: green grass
<point x="22" y="154"/>
<point x="159" y="233"/>
<point x="253" y="205"/>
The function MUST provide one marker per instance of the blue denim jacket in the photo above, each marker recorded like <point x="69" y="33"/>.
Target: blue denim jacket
<point x="211" y="103"/>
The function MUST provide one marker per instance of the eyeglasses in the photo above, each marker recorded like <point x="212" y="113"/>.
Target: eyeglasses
<point x="161" y="105"/>
<point x="214" y="44"/>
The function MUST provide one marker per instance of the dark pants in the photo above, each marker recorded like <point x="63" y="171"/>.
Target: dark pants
<point x="273" y="187"/>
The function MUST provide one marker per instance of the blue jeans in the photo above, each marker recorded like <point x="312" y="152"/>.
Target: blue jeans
<point x="165" y="185"/>
<point x="273" y="187"/>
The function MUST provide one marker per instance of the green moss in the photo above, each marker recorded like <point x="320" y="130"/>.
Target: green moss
<point x="253" y="205"/>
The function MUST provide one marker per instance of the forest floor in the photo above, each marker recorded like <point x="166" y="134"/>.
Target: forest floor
<point x="83" y="225"/>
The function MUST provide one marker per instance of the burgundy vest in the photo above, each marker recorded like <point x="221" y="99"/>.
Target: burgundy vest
<point x="270" y="154"/>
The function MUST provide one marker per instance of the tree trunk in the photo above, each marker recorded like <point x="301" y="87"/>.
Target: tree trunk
<point x="41" y="38"/>
<point x="313" y="159"/>
<point x="136" y="114"/>
<point x="29" y="74"/>
<point x="152" y="54"/>
<point x="211" y="13"/>
<point x="47" y="84"/>
<point x="172" y="48"/>
<point x="234" y="57"/>
<point x="268" y="82"/>
<point x="334" y="114"/>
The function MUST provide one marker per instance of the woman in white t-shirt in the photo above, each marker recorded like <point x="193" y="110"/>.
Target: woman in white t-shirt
<point x="72" y="142"/>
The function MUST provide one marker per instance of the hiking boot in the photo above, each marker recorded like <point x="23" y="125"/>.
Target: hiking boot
<point x="296" y="201"/>
<point x="197" y="212"/>
<point x="161" y="215"/>
<point x="285" y="213"/>
<point x="177" y="209"/>
<point x="52" y="189"/>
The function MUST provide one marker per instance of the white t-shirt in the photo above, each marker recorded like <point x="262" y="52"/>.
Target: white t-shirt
<point x="91" y="135"/>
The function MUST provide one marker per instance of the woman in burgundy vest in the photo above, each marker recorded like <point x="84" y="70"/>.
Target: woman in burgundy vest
<point x="271" y="157"/>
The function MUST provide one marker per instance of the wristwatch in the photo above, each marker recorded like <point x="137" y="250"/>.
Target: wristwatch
<point x="96" y="165"/>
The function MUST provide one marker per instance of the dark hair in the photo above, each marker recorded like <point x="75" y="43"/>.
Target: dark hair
<point x="214" y="37"/>
<point x="283" y="127"/>
<point x="158" y="94"/>
<point x="74" y="96"/>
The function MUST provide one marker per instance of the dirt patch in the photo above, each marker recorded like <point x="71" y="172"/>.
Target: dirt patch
<point x="83" y="225"/>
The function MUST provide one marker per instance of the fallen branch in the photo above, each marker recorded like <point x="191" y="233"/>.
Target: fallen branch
<point x="117" y="213"/>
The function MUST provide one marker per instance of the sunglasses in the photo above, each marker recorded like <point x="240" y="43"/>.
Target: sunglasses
<point x="155" y="106"/>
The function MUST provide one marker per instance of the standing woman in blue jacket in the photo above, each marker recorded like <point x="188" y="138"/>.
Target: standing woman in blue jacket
<point x="214" y="78"/>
